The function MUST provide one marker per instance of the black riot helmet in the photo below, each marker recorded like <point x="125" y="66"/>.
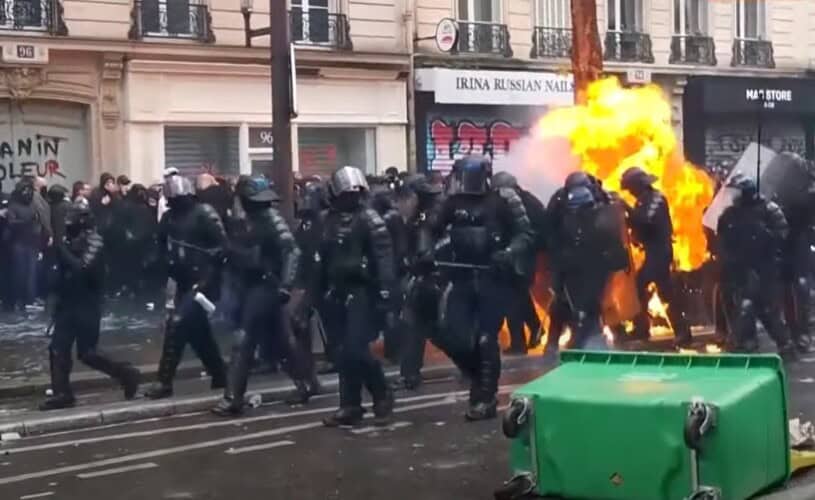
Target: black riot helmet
<point x="255" y="193"/>
<point x="576" y="179"/>
<point x="78" y="218"/>
<point x="745" y="186"/>
<point x="636" y="180"/>
<point x="312" y="198"/>
<point x="504" y="180"/>
<point x="24" y="191"/>
<point x="471" y="175"/>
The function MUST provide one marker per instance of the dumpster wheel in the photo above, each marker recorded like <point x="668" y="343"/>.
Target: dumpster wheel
<point x="519" y="487"/>
<point x="515" y="417"/>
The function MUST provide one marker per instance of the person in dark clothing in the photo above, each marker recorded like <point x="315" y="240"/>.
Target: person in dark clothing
<point x="265" y="264"/>
<point x="382" y="200"/>
<point x="60" y="202"/>
<point x="24" y="240"/>
<point x="356" y="253"/>
<point x="102" y="201"/>
<point x="215" y="194"/>
<point x="6" y="288"/>
<point x="424" y="289"/>
<point x="652" y="229"/>
<point x="522" y="310"/>
<point x="311" y="212"/>
<point x="751" y="238"/>
<point x="488" y="243"/>
<point x="193" y="243"/>
<point x="123" y="185"/>
<point x="80" y="191"/>
<point x="78" y="311"/>
<point x="138" y="227"/>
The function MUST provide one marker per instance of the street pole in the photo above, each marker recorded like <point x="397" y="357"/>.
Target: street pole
<point x="281" y="106"/>
<point x="587" y="53"/>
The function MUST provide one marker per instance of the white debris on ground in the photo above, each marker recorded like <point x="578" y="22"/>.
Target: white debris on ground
<point x="802" y="434"/>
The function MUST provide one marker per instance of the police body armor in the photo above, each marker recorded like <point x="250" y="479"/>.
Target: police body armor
<point x="82" y="281"/>
<point x="195" y="239"/>
<point x="748" y="246"/>
<point x="272" y="254"/>
<point x="343" y="250"/>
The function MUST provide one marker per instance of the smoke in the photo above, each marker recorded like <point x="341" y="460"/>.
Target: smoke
<point x="540" y="164"/>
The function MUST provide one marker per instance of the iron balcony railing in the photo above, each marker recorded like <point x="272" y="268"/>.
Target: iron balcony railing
<point x="33" y="15"/>
<point x="693" y="49"/>
<point x="551" y="42"/>
<point x="475" y="37"/>
<point x="319" y="27"/>
<point x="628" y="46"/>
<point x="171" y="19"/>
<point x="752" y="52"/>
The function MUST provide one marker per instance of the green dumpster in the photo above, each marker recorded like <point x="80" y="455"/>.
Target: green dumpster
<point x="637" y="426"/>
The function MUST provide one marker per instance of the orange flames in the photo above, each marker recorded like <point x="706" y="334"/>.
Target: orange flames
<point x="620" y="128"/>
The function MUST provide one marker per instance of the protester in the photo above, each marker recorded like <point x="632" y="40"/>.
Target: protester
<point x="23" y="235"/>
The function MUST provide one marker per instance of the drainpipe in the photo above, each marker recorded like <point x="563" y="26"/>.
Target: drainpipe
<point x="409" y="18"/>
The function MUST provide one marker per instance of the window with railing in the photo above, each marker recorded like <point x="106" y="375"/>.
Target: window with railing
<point x="751" y="47"/>
<point x="691" y="43"/>
<point x="32" y="15"/>
<point x="314" y="23"/>
<point x="172" y="19"/>
<point x="480" y="30"/>
<point x="552" y="36"/>
<point x="625" y="38"/>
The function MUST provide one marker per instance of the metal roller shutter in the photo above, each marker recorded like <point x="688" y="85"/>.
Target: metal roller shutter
<point x="193" y="150"/>
<point x="725" y="141"/>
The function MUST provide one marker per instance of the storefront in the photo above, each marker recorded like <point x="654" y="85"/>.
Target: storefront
<point x="722" y="117"/>
<point x="461" y="112"/>
<point x="215" y="117"/>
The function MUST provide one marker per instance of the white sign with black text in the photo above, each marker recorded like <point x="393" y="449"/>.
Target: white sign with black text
<point x="520" y="88"/>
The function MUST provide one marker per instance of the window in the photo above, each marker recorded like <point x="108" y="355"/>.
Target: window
<point x="310" y="21"/>
<point x="323" y="150"/>
<point x="177" y="18"/>
<point x="484" y="11"/>
<point x="750" y="19"/>
<point x="625" y="15"/>
<point x="23" y="14"/>
<point x="554" y="14"/>
<point x="690" y="17"/>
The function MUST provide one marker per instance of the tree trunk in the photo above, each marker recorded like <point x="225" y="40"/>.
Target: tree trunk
<point x="587" y="53"/>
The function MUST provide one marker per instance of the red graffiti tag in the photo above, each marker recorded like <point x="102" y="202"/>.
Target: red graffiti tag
<point x="449" y="141"/>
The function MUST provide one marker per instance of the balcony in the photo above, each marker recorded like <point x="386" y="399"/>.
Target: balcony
<point x="551" y="43"/>
<point x="476" y="37"/>
<point x="628" y="46"/>
<point x="693" y="49"/>
<point x="752" y="52"/>
<point x="33" y="15"/>
<point x="318" y="27"/>
<point x="171" y="19"/>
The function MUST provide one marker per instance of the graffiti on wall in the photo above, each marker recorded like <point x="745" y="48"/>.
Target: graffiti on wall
<point x="725" y="145"/>
<point x="36" y="155"/>
<point x="449" y="140"/>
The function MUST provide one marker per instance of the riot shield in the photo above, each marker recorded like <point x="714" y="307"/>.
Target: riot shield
<point x="786" y="181"/>
<point x="748" y="165"/>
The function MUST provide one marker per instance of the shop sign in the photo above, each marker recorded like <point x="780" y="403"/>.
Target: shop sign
<point x="497" y="87"/>
<point x="260" y="138"/>
<point x="446" y="34"/>
<point x="750" y="95"/>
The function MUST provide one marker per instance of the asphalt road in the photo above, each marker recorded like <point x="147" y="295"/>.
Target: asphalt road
<point x="427" y="453"/>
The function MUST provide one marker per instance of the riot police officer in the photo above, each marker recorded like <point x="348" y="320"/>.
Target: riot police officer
<point x="79" y="276"/>
<point x="193" y="241"/>
<point x="751" y="235"/>
<point x="265" y="265"/>
<point x="357" y="276"/>
<point x="305" y="300"/>
<point x="423" y="291"/>
<point x="522" y="310"/>
<point x="489" y="240"/>
<point x="652" y="229"/>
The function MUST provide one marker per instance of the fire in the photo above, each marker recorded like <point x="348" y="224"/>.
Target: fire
<point x="620" y="128"/>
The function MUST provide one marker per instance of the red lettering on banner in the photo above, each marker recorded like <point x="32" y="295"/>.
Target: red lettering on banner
<point x="451" y="140"/>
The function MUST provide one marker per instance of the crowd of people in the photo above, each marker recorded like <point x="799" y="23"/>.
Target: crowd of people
<point x="409" y="257"/>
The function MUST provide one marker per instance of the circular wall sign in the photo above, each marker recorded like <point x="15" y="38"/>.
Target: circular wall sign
<point x="446" y="34"/>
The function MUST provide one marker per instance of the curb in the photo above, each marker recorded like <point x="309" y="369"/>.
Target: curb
<point x="802" y="492"/>
<point x="145" y="409"/>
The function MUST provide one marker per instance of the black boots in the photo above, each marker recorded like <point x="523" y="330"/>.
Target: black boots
<point x="62" y="396"/>
<point x="303" y="391"/>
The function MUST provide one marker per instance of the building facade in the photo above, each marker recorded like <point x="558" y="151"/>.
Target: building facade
<point x="704" y="46"/>
<point x="134" y="86"/>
